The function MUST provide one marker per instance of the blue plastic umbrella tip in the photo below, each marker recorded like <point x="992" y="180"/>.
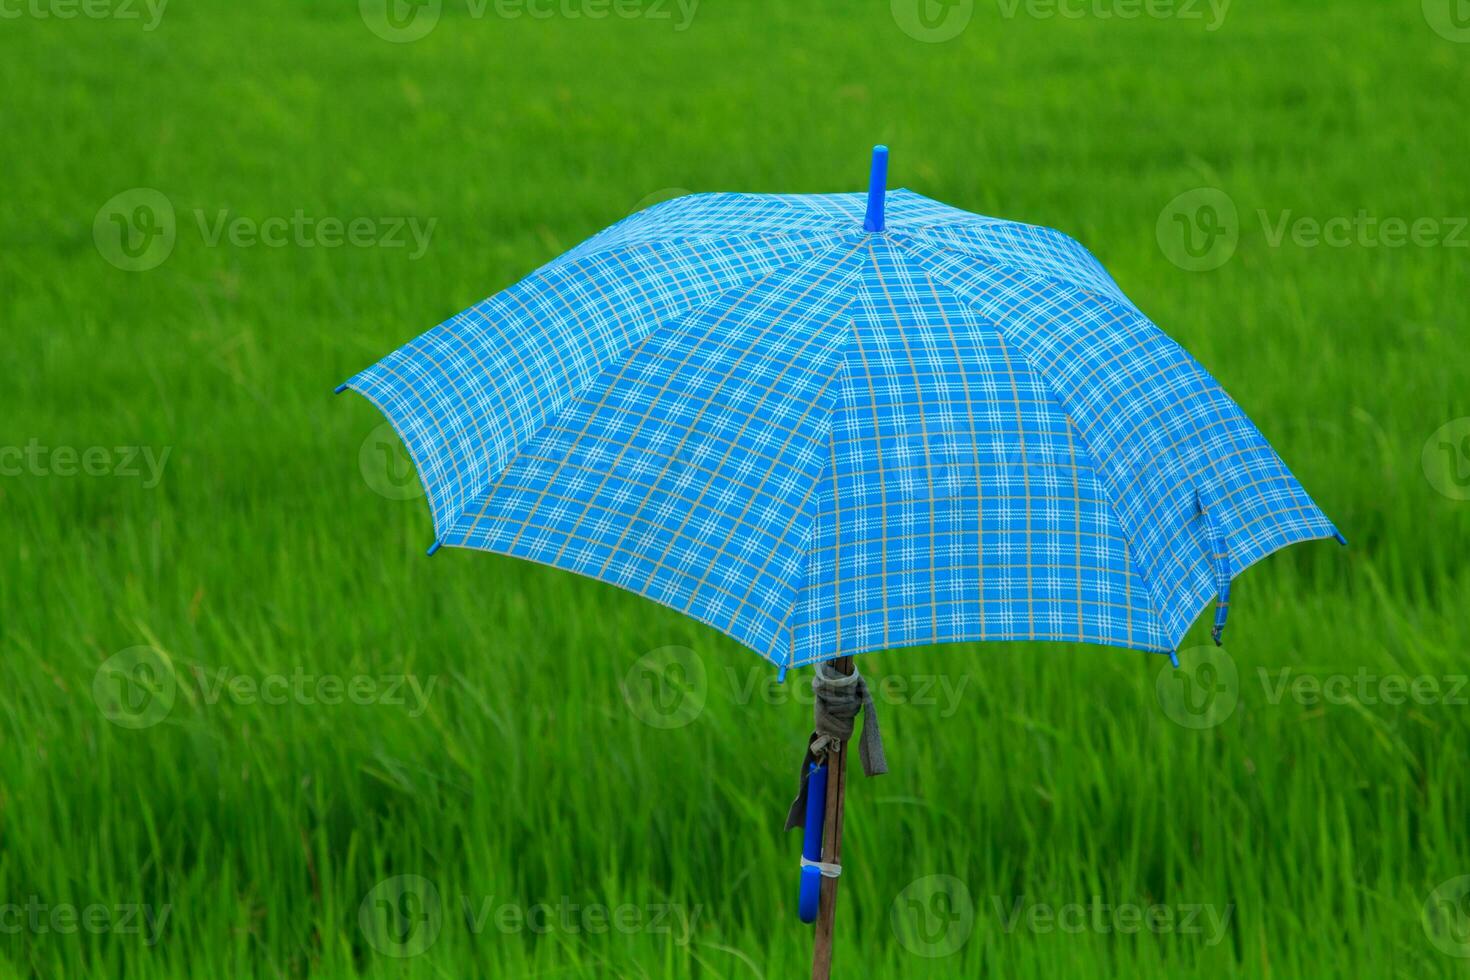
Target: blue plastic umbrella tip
<point x="877" y="189"/>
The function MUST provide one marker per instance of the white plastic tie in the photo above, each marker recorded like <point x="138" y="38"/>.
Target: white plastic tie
<point x="828" y="870"/>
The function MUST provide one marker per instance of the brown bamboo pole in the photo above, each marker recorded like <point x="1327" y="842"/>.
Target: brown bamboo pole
<point x="831" y="848"/>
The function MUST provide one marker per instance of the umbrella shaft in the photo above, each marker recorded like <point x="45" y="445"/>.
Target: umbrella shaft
<point x="831" y="848"/>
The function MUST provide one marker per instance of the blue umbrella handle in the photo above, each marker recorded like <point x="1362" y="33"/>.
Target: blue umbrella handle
<point x="811" y="842"/>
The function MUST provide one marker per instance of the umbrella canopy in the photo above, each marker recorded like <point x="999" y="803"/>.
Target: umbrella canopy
<point x="832" y="423"/>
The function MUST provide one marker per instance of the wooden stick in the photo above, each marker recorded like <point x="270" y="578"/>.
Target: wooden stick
<point x="831" y="848"/>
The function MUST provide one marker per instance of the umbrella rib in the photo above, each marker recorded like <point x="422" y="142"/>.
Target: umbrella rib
<point x="881" y="479"/>
<point x="1132" y="550"/>
<point x="811" y="340"/>
<point x="1008" y="265"/>
<point x="703" y="408"/>
<point x="620" y="250"/>
<point x="447" y="508"/>
<point x="616" y="255"/>
<point x="626" y="360"/>
<point x="551" y="417"/>
<point x="713" y="237"/>
<point x="928" y="460"/>
<point x="797" y="512"/>
<point x="1005" y="353"/>
<point x="1125" y="310"/>
<point x="806" y="546"/>
<point x="975" y="451"/>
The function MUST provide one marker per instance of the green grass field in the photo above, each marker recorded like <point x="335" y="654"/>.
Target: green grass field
<point x="178" y="478"/>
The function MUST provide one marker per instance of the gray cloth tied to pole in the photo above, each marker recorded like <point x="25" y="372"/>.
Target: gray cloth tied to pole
<point x="838" y="698"/>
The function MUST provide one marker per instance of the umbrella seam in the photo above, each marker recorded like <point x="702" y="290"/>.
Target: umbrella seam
<point x="492" y="480"/>
<point x="468" y="487"/>
<point x="1086" y="447"/>
<point x="1126" y="308"/>
<point x="1129" y="309"/>
<point x="714" y="237"/>
<point x="805" y="550"/>
<point x="1010" y="266"/>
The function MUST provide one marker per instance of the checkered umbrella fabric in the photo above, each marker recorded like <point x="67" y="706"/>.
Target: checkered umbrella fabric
<point x="823" y="440"/>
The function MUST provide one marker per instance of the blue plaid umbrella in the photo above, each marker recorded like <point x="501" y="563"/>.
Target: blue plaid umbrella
<point x="826" y="424"/>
